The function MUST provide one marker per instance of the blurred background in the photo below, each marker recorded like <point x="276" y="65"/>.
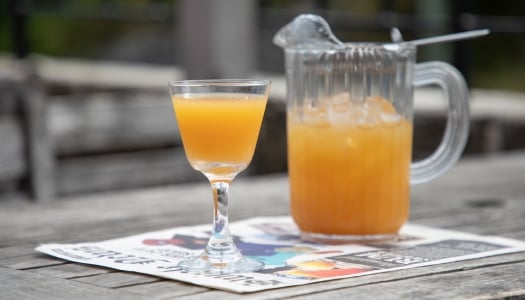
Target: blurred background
<point x="83" y="95"/>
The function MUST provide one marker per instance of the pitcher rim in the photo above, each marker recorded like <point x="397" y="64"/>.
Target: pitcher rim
<point x="393" y="47"/>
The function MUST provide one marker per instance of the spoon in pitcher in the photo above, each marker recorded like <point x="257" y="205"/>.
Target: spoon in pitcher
<point x="396" y="37"/>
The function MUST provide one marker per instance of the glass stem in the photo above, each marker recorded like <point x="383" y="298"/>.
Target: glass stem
<point x="221" y="243"/>
<point x="221" y="190"/>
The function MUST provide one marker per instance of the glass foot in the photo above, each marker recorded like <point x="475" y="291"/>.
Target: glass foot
<point x="221" y="265"/>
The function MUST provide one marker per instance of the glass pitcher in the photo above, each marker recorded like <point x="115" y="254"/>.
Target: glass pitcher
<point x="349" y="131"/>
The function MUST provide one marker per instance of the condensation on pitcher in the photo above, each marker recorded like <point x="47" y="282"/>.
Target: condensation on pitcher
<point x="340" y="110"/>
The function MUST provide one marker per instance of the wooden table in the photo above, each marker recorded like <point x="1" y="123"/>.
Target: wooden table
<point x="484" y="195"/>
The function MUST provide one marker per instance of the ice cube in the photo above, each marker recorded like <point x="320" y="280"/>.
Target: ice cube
<point x="315" y="116"/>
<point x="338" y="109"/>
<point x="364" y="116"/>
<point x="306" y="29"/>
<point x="382" y="110"/>
<point x="340" y="102"/>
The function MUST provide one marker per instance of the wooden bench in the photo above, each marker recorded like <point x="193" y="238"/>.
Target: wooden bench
<point x="12" y="158"/>
<point x="71" y="127"/>
<point x="25" y="153"/>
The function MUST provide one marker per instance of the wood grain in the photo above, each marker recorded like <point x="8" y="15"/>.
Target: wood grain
<point x="32" y="286"/>
<point x="468" y="198"/>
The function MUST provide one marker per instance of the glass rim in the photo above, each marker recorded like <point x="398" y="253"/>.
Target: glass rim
<point x="220" y="82"/>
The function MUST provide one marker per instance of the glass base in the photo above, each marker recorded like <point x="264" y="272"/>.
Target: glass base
<point x="336" y="239"/>
<point x="222" y="265"/>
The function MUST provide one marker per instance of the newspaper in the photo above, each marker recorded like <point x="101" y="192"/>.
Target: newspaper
<point x="288" y="260"/>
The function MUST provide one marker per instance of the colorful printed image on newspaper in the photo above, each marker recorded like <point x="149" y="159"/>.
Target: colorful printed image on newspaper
<point x="288" y="260"/>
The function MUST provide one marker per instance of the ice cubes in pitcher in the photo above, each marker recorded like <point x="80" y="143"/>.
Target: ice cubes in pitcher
<point x="341" y="110"/>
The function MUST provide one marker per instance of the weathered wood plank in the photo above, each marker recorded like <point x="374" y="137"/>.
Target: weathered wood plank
<point x="125" y="170"/>
<point x="119" y="140"/>
<point x="117" y="279"/>
<point x="131" y="212"/>
<point x="167" y="289"/>
<point x="503" y="223"/>
<point x="72" y="270"/>
<point x="15" y="284"/>
<point x="519" y="235"/>
<point x="30" y="261"/>
<point x="15" y="251"/>
<point x="111" y="122"/>
<point x="103" y="74"/>
<point x="469" y="185"/>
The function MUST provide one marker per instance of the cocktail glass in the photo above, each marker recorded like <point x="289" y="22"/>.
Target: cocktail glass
<point x="219" y="122"/>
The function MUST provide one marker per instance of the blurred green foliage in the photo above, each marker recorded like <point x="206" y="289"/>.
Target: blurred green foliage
<point x="85" y="28"/>
<point x="80" y="28"/>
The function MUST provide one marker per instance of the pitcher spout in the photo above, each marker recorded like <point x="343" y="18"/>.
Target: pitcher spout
<point x="304" y="31"/>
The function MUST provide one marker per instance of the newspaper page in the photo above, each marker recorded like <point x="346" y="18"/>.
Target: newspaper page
<point x="288" y="260"/>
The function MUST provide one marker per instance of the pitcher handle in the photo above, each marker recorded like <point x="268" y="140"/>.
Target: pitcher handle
<point x="456" y="133"/>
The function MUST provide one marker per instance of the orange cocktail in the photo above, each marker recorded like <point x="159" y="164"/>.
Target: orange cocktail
<point x="219" y="122"/>
<point x="349" y="176"/>
<point x="220" y="130"/>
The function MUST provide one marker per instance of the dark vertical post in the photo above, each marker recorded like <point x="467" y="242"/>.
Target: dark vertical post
<point x="38" y="142"/>
<point x="234" y="37"/>
<point x="217" y="38"/>
<point x="194" y="38"/>
<point x="435" y="15"/>
<point x="18" y="12"/>
<point x="461" y="49"/>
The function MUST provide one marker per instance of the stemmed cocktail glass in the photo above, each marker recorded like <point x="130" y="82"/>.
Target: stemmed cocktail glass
<point x="219" y="122"/>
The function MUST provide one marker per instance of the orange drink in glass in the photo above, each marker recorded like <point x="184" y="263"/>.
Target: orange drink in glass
<point x="219" y="131"/>
<point x="219" y="122"/>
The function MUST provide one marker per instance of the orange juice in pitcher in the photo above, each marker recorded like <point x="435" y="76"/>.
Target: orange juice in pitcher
<point x="350" y="176"/>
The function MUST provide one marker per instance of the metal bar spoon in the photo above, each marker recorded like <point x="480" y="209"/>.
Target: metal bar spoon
<point x="396" y="37"/>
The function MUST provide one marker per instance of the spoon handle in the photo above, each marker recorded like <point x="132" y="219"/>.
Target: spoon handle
<point x="450" y="37"/>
